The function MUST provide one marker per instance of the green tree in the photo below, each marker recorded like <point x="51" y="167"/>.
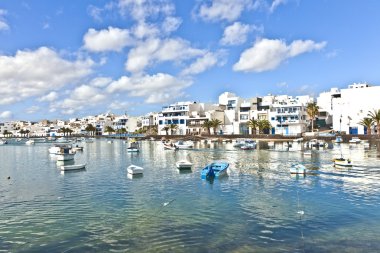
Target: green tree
<point x="22" y="132"/>
<point x="109" y="130"/>
<point x="215" y="123"/>
<point x="173" y="128"/>
<point x="375" y="115"/>
<point x="263" y="125"/>
<point x="312" y="110"/>
<point x="368" y="123"/>
<point x="207" y="125"/>
<point x="253" y="124"/>
<point x="91" y="129"/>
<point x="166" y="129"/>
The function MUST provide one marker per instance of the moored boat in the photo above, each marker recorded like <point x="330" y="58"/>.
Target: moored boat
<point x="214" y="170"/>
<point x="65" y="154"/>
<point x="183" y="164"/>
<point x="135" y="170"/>
<point x="73" y="167"/>
<point x="184" y="144"/>
<point x="355" y="140"/>
<point x="133" y="147"/>
<point x="55" y="149"/>
<point x="297" y="169"/>
<point x="30" y="142"/>
<point x="342" y="162"/>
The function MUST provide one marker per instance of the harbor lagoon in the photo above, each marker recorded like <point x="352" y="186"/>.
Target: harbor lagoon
<point x="258" y="207"/>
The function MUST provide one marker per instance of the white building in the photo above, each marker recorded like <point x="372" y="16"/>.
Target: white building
<point x="325" y="104"/>
<point x="288" y="115"/>
<point x="231" y="104"/>
<point x="188" y="116"/>
<point x="354" y="104"/>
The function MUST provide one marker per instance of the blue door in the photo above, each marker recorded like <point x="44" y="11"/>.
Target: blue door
<point x="353" y="130"/>
<point x="365" y="130"/>
<point x="286" y="130"/>
<point x="273" y="130"/>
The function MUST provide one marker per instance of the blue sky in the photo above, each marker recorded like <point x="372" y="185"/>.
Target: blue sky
<point x="64" y="59"/>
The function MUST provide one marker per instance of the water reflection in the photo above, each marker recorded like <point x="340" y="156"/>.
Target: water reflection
<point x="255" y="208"/>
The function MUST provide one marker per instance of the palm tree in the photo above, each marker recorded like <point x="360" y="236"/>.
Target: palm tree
<point x="90" y="128"/>
<point x="173" y="127"/>
<point x="207" y="125"/>
<point x="22" y="132"/>
<point x="312" y="110"/>
<point x="367" y="122"/>
<point x="375" y="115"/>
<point x="166" y="128"/>
<point x="109" y="130"/>
<point x="253" y="124"/>
<point x="263" y="125"/>
<point x="215" y="123"/>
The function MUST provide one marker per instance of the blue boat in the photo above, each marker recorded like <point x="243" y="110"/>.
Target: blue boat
<point x="214" y="170"/>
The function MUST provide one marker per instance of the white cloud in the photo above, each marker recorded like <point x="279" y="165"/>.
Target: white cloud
<point x="3" y="24"/>
<point x="32" y="109"/>
<point x="156" y="50"/>
<point x="171" y="24"/>
<point x="100" y="82"/>
<point x="118" y="105"/>
<point x="224" y="9"/>
<point x="201" y="64"/>
<point x="140" y="10"/>
<point x="267" y="54"/>
<point x="158" y="88"/>
<point x="6" y="115"/>
<point x="275" y="4"/>
<point x="144" y="30"/>
<point x="111" y="39"/>
<point x="80" y="98"/>
<point x="34" y="73"/>
<point x="235" y="34"/>
<point x="49" y="97"/>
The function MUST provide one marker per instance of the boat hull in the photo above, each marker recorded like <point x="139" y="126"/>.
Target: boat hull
<point x="135" y="170"/>
<point x="218" y="170"/>
<point x="73" y="167"/>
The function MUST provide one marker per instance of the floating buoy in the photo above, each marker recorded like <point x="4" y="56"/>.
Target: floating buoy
<point x="8" y="178"/>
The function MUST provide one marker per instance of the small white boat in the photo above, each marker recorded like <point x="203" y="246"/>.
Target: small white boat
<point x="57" y="148"/>
<point x="77" y="148"/>
<point x="184" y="144"/>
<point x="29" y="142"/>
<point x="307" y="153"/>
<point x="355" y="140"/>
<point x="183" y="164"/>
<point x="2" y="142"/>
<point x="133" y="147"/>
<point x="342" y="162"/>
<point x="73" y="167"/>
<point x="110" y="141"/>
<point x="297" y="169"/>
<point x="135" y="170"/>
<point x="65" y="154"/>
<point x="169" y="146"/>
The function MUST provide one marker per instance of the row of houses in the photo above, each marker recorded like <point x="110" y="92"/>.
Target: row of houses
<point x="340" y="110"/>
<point x="78" y="126"/>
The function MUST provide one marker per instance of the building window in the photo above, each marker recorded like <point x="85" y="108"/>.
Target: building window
<point x="243" y="116"/>
<point x="182" y="121"/>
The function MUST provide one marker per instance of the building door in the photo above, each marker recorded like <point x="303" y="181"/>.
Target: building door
<point x="353" y="130"/>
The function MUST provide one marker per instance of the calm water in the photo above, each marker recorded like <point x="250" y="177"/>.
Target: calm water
<point x="257" y="208"/>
